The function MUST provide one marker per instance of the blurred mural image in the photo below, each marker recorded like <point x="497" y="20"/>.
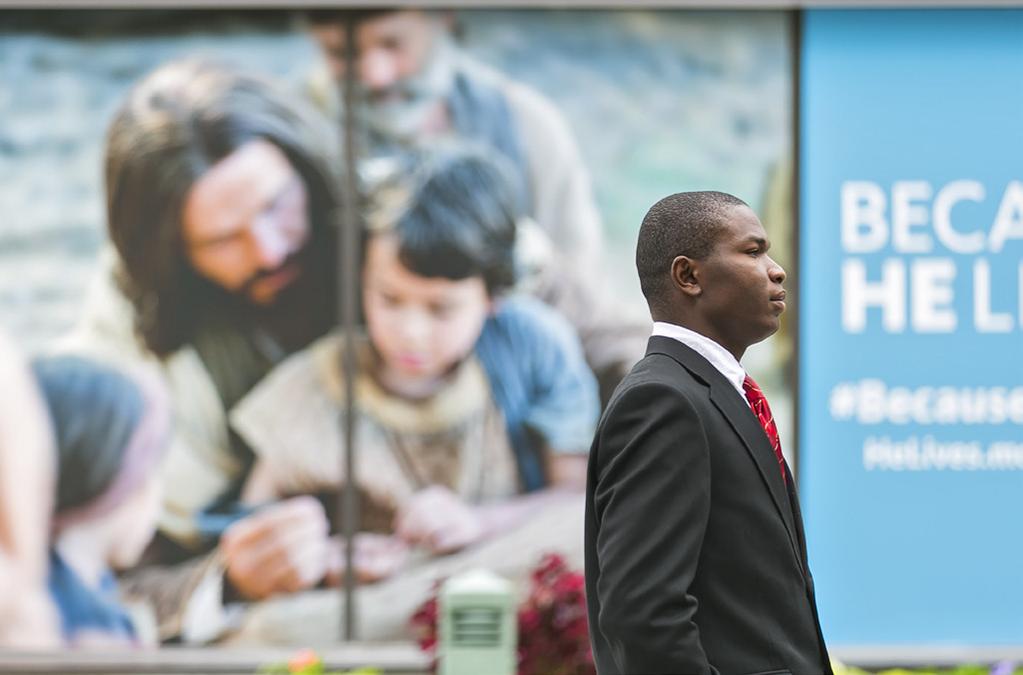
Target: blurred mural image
<point x="170" y="184"/>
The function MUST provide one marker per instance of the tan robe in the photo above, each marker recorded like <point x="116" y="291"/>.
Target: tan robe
<point x="455" y="438"/>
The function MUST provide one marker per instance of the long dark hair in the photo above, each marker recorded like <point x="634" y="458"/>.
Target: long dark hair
<point x="174" y="125"/>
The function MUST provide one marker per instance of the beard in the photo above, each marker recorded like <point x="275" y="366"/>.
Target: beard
<point x="291" y="269"/>
<point x="400" y="112"/>
<point x="298" y="312"/>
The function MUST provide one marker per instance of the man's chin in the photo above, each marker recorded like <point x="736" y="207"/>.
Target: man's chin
<point x="763" y="331"/>
<point x="266" y="291"/>
<point x="399" y="120"/>
<point x="262" y="299"/>
<point x="268" y="298"/>
<point x="772" y="326"/>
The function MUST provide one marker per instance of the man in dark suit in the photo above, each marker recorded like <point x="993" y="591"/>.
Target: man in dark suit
<point x="695" y="557"/>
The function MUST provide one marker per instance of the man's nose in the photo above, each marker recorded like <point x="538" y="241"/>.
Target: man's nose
<point x="270" y="244"/>
<point x="377" y="69"/>
<point x="776" y="272"/>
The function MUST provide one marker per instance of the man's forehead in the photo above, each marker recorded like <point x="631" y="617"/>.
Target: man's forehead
<point x="397" y="21"/>
<point x="234" y="188"/>
<point x="739" y="222"/>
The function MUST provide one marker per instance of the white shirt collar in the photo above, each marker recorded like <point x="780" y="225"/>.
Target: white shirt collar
<point x="718" y="356"/>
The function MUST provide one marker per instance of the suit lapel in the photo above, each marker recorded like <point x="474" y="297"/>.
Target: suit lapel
<point x="753" y="437"/>
<point x="726" y="399"/>
<point x="796" y="513"/>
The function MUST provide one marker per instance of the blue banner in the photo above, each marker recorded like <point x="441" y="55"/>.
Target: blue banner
<point x="911" y="287"/>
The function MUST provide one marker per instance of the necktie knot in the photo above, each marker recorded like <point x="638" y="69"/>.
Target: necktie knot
<point x="753" y="391"/>
<point x="758" y="403"/>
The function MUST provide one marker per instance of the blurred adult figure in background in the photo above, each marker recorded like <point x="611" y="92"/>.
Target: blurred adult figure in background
<point x="416" y="88"/>
<point x="28" y="618"/>
<point x="111" y="431"/>
<point x="475" y="406"/>
<point x="220" y="193"/>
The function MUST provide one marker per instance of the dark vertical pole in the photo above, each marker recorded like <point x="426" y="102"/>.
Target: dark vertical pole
<point x="348" y="243"/>
<point x="796" y="50"/>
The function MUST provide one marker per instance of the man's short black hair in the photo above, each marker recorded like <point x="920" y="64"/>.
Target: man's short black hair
<point x="686" y="223"/>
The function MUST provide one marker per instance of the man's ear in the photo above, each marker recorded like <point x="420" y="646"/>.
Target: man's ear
<point x="685" y="275"/>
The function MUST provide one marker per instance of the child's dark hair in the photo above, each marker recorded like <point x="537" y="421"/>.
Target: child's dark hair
<point x="460" y="221"/>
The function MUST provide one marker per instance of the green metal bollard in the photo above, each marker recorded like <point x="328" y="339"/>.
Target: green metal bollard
<point x="478" y="627"/>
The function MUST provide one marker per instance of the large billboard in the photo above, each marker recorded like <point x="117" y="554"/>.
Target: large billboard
<point x="911" y="386"/>
<point x="164" y="205"/>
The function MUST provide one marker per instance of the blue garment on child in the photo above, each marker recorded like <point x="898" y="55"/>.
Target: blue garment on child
<point x="540" y="381"/>
<point x="84" y="608"/>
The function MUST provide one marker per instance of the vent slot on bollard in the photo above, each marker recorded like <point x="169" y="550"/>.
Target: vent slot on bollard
<point x="478" y="628"/>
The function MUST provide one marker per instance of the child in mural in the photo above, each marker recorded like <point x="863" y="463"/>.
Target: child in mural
<point x="111" y="430"/>
<point x="28" y="618"/>
<point x="474" y="409"/>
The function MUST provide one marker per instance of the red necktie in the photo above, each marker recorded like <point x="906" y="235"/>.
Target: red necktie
<point x="758" y="402"/>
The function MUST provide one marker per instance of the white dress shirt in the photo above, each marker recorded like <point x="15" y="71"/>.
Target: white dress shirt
<point x="719" y="357"/>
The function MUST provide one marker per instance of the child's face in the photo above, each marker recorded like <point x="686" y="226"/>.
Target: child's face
<point x="421" y="326"/>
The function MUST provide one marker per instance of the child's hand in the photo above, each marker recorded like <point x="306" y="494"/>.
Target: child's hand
<point x="281" y="548"/>
<point x="377" y="557"/>
<point x="438" y="519"/>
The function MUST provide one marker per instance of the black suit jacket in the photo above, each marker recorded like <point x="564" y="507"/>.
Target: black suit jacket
<point x="695" y="558"/>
